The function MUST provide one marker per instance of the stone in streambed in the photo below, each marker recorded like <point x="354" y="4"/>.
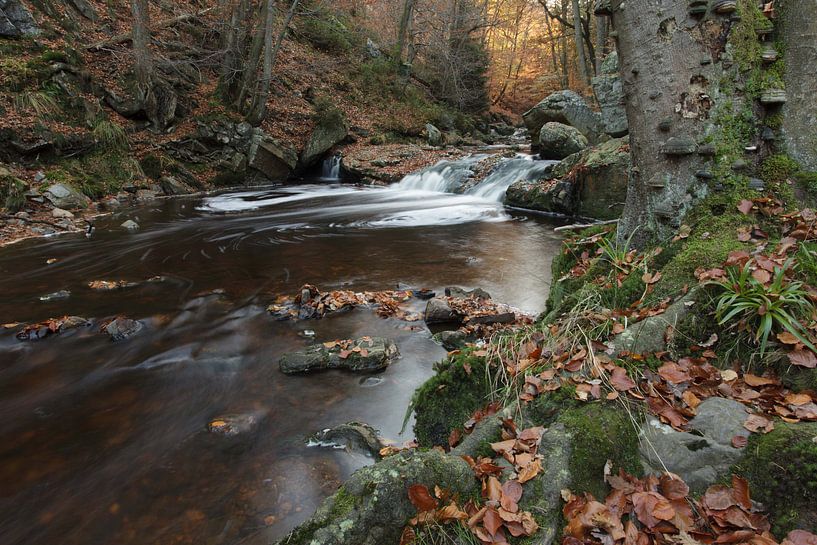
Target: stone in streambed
<point x="452" y="340"/>
<point x="355" y="437"/>
<point x="130" y="225"/>
<point x="460" y="293"/>
<point x="364" y="354"/>
<point x="439" y="312"/>
<point x="235" y="432"/>
<point x="122" y="328"/>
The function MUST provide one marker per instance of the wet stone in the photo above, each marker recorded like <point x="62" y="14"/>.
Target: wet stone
<point x="361" y="355"/>
<point x="56" y="296"/>
<point x="439" y="312"/>
<point x="130" y="225"/>
<point x="122" y="328"/>
<point x="353" y="437"/>
<point x="459" y="293"/>
<point x="235" y="432"/>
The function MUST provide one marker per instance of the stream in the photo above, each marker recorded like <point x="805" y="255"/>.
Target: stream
<point x="106" y="442"/>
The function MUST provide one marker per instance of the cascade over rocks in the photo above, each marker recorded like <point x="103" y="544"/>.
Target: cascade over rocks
<point x="565" y="107"/>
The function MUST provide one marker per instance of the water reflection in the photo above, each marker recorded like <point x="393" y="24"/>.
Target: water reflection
<point x="104" y="442"/>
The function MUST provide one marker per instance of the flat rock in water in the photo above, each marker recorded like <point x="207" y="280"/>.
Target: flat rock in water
<point x="123" y="328"/>
<point x="355" y="437"/>
<point x="364" y="354"/>
<point x="130" y="225"/>
<point x="487" y="319"/>
<point x="460" y="293"/>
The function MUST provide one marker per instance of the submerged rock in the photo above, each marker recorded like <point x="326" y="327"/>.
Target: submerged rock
<point x="235" y="432"/>
<point x="355" y="437"/>
<point x="122" y="328"/>
<point x="56" y="296"/>
<point x="557" y="141"/>
<point x="364" y="354"/>
<point x="452" y="340"/>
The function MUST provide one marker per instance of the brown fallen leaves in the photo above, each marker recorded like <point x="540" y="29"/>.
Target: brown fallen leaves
<point x="52" y="326"/>
<point x="659" y="510"/>
<point x="497" y="516"/>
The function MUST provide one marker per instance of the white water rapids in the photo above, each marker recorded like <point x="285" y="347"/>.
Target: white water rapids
<point x="437" y="195"/>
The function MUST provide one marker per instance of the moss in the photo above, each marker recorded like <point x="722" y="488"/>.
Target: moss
<point x="807" y="181"/>
<point x="782" y="471"/>
<point x="12" y="191"/>
<point x="152" y="165"/>
<point x="601" y="432"/>
<point x="544" y="409"/>
<point x="778" y="168"/>
<point x="97" y="174"/>
<point x="327" y="114"/>
<point x="328" y="30"/>
<point x="447" y="400"/>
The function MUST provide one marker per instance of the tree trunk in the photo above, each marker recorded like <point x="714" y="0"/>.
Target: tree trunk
<point x="601" y="41"/>
<point x="254" y="57"/>
<point x="682" y="89"/>
<point x="581" y="61"/>
<point x="404" y="29"/>
<point x="259" y="105"/>
<point x="142" y="61"/>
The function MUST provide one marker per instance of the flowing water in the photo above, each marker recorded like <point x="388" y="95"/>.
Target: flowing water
<point x="106" y="442"/>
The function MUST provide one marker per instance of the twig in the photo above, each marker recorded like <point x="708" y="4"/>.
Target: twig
<point x="578" y="226"/>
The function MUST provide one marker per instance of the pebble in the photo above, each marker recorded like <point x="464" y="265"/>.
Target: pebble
<point x="130" y="225"/>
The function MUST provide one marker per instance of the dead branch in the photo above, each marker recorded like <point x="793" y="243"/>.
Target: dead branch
<point x="127" y="36"/>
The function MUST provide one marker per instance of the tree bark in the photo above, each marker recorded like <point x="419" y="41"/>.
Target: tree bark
<point x="142" y="61"/>
<point x="578" y="36"/>
<point x="404" y="29"/>
<point x="601" y="41"/>
<point x="253" y="58"/>
<point x="259" y="105"/>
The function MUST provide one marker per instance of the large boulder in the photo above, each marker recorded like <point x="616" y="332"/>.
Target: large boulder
<point x="66" y="197"/>
<point x="699" y="457"/>
<point x="564" y="107"/>
<point x="591" y="183"/>
<point x="438" y="311"/>
<point x="434" y="136"/>
<point x="364" y="354"/>
<point x="15" y="20"/>
<point x="331" y="129"/>
<point x="373" y="506"/>
<point x="557" y="141"/>
<point x="609" y="93"/>
<point x="272" y="159"/>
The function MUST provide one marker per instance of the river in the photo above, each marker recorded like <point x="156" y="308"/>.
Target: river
<point x="106" y="442"/>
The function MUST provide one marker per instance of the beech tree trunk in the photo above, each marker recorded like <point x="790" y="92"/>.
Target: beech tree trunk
<point x="142" y="61"/>
<point x="404" y="29"/>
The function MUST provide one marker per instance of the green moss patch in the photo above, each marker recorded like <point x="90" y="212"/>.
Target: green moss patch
<point x="447" y="400"/>
<point x="601" y="432"/>
<point x="782" y="471"/>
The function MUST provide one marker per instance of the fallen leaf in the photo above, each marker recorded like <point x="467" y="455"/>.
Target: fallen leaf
<point x="754" y="380"/>
<point x="620" y="380"/>
<point x="745" y="206"/>
<point x="757" y="422"/>
<point x="421" y="498"/>
<point x="739" y="441"/>
<point x="803" y="358"/>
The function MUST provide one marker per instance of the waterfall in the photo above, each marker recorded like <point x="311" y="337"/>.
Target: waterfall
<point x="331" y="168"/>
<point x="505" y="173"/>
<point x="454" y="176"/>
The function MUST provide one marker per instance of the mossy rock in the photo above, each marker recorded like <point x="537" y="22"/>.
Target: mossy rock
<point x="448" y="399"/>
<point x="781" y="467"/>
<point x="372" y="507"/>
<point x="601" y="432"/>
